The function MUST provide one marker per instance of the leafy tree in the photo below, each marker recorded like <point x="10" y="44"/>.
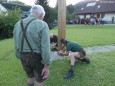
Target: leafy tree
<point x="7" y="22"/>
<point x="44" y="3"/>
<point x="71" y="12"/>
<point x="17" y="2"/>
<point x="51" y="13"/>
<point x="70" y="8"/>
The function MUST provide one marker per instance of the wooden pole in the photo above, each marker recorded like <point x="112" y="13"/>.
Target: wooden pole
<point x="61" y="20"/>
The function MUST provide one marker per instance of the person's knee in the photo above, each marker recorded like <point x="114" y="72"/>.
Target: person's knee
<point x="74" y="54"/>
<point x="39" y="84"/>
<point x="71" y="55"/>
<point x="31" y="80"/>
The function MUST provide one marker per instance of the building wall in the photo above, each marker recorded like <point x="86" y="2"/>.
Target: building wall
<point x="108" y="17"/>
<point x="87" y="16"/>
<point x="81" y="16"/>
<point x="2" y="8"/>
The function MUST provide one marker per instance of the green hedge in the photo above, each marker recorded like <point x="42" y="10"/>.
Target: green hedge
<point x="7" y="22"/>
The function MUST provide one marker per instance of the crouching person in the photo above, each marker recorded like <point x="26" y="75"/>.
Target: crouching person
<point x="32" y="46"/>
<point x="53" y="42"/>
<point x="76" y="53"/>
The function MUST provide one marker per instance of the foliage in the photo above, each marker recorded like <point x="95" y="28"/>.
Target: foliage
<point x="11" y="6"/>
<point x="70" y="9"/>
<point x="7" y="22"/>
<point x="17" y="2"/>
<point x="71" y="12"/>
<point x="71" y="16"/>
<point x="53" y="16"/>
<point x="44" y="3"/>
<point x="49" y="11"/>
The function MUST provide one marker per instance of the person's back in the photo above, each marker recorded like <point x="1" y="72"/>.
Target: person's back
<point x="33" y="34"/>
<point x="73" y="46"/>
<point x="32" y="45"/>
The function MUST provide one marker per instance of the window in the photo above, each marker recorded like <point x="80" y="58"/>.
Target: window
<point x="91" y="4"/>
<point x="98" y="6"/>
<point x="82" y="8"/>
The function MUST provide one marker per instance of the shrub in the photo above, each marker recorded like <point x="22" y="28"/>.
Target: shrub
<point x="7" y="22"/>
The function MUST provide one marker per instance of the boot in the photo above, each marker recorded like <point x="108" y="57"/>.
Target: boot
<point x="86" y="60"/>
<point x="69" y="74"/>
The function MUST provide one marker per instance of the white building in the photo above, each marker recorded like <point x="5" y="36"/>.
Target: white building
<point x="2" y="8"/>
<point x="104" y="9"/>
<point x="9" y="6"/>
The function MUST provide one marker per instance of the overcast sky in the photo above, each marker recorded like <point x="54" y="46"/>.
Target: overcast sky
<point x="52" y="3"/>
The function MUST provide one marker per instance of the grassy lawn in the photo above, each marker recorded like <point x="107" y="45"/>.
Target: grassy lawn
<point x="100" y="72"/>
<point x="90" y="35"/>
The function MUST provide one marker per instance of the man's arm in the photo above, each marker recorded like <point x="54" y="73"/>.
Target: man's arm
<point x="45" y="45"/>
<point x="45" y="50"/>
<point x="15" y="41"/>
<point x="65" y="53"/>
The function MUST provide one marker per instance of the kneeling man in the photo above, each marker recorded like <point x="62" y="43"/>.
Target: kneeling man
<point x="76" y="53"/>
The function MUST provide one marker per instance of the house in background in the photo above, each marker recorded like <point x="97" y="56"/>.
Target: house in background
<point x="2" y="8"/>
<point x="8" y="6"/>
<point x="100" y="9"/>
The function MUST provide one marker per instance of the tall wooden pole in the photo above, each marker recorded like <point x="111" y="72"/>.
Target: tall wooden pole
<point x="61" y="20"/>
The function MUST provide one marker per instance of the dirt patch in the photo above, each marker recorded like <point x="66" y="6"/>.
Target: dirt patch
<point x="89" y="50"/>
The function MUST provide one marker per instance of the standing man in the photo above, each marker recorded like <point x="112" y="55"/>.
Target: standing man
<point x="32" y="45"/>
<point x="76" y="52"/>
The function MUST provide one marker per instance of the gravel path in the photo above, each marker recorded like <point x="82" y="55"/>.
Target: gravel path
<point x="89" y="50"/>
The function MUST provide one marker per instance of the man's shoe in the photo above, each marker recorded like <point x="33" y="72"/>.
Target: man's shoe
<point x="69" y="74"/>
<point x="86" y="60"/>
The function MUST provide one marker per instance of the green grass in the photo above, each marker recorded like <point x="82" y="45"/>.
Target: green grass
<point x="90" y="35"/>
<point x="100" y="72"/>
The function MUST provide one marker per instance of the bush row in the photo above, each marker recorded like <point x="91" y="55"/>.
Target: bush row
<point x="7" y="22"/>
